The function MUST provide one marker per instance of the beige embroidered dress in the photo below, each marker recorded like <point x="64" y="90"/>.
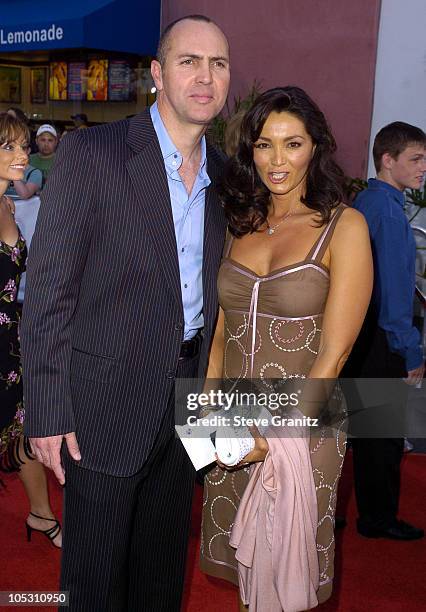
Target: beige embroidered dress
<point x="272" y="330"/>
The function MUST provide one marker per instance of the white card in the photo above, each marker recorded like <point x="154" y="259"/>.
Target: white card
<point x="201" y="451"/>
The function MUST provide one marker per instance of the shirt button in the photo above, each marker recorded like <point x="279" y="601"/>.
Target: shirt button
<point x="183" y="249"/>
<point x="178" y="327"/>
<point x="186" y="286"/>
<point x="170" y="374"/>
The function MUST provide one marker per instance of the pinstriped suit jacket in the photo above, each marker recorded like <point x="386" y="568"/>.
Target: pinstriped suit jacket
<point x="103" y="318"/>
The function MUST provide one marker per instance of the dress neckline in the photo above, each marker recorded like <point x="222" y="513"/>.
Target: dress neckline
<point x="312" y="260"/>
<point x="311" y="263"/>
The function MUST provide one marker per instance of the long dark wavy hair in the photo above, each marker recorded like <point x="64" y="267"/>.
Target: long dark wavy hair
<point x="245" y="198"/>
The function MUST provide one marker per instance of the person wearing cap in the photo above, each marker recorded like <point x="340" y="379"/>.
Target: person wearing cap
<point x="80" y="120"/>
<point x="47" y="141"/>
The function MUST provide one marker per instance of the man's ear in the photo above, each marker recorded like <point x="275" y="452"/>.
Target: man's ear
<point x="387" y="161"/>
<point x="157" y="74"/>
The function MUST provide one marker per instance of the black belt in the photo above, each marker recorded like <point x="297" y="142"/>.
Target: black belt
<point x="191" y="348"/>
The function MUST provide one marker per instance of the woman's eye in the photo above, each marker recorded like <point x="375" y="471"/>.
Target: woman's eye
<point x="7" y="147"/>
<point x="294" y="145"/>
<point x="188" y="62"/>
<point x="261" y="145"/>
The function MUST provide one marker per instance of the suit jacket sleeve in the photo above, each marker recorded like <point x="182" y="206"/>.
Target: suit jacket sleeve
<point x="56" y="263"/>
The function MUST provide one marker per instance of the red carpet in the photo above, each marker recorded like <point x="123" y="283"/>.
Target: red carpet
<point x="371" y="575"/>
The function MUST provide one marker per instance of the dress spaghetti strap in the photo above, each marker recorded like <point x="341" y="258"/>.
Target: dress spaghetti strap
<point x="228" y="243"/>
<point x="320" y="245"/>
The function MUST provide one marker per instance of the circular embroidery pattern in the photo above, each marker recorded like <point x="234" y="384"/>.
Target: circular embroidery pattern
<point x="287" y="335"/>
<point x="227" y="359"/>
<point x="272" y="366"/>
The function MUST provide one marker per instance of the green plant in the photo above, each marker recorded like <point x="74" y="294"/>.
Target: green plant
<point x="353" y="186"/>
<point x="216" y="131"/>
<point x="418" y="198"/>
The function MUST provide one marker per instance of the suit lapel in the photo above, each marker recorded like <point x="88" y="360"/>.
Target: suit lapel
<point x="214" y="236"/>
<point x="148" y="176"/>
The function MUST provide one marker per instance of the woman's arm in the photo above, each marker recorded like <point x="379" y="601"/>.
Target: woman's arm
<point x="215" y="365"/>
<point x="351" y="283"/>
<point x="25" y="190"/>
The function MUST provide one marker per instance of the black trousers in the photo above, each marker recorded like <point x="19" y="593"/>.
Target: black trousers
<point x="376" y="460"/>
<point x="377" y="479"/>
<point x="125" y="539"/>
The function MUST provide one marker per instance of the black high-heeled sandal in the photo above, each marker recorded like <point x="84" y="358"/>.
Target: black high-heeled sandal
<point x="50" y="533"/>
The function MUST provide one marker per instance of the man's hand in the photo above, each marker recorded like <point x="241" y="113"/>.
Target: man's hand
<point x="415" y="376"/>
<point x="48" y="452"/>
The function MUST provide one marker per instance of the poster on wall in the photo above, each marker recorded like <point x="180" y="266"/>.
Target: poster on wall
<point x="38" y="82"/>
<point x="58" y="81"/>
<point x="118" y="81"/>
<point x="10" y="84"/>
<point x="121" y="82"/>
<point x="97" y="80"/>
<point x="77" y="80"/>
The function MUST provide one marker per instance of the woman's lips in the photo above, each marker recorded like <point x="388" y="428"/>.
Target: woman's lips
<point x="277" y="177"/>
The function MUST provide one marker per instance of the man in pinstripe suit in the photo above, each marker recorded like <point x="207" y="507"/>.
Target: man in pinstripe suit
<point x="121" y="300"/>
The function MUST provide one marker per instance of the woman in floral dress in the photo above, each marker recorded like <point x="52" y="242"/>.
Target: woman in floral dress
<point x="12" y="261"/>
<point x="15" y="451"/>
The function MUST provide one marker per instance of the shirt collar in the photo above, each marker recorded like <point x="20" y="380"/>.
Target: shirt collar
<point x="171" y="155"/>
<point x="396" y="193"/>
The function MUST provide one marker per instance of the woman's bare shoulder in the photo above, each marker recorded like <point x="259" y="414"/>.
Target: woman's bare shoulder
<point x="351" y="220"/>
<point x="351" y="231"/>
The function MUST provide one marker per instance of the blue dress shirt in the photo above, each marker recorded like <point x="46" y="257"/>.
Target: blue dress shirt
<point x="394" y="255"/>
<point x="188" y="218"/>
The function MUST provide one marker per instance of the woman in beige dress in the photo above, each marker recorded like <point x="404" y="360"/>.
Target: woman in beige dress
<point x="294" y="286"/>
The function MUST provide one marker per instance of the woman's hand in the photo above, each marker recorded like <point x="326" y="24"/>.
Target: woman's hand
<point x="8" y="228"/>
<point x="261" y="448"/>
<point x="258" y="454"/>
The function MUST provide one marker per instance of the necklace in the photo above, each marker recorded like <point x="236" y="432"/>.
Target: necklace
<point x="272" y="229"/>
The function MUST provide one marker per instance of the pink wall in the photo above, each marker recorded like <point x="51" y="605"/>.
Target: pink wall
<point x="326" y="47"/>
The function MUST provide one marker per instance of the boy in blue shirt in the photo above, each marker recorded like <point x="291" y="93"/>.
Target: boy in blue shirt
<point x="389" y="345"/>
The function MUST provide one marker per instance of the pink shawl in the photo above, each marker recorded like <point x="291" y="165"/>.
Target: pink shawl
<point x="275" y="530"/>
